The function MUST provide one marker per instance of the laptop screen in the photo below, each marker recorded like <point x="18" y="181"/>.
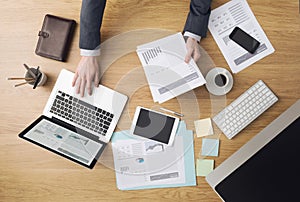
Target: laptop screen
<point x="75" y="146"/>
<point x="272" y="174"/>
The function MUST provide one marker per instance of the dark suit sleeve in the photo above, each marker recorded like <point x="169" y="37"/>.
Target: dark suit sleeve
<point x="90" y="23"/>
<point x="197" y="19"/>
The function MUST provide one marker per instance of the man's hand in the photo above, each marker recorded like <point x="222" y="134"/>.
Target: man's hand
<point x="193" y="50"/>
<point x="87" y="74"/>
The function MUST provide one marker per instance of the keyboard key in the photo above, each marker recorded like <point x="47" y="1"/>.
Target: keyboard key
<point x="86" y="104"/>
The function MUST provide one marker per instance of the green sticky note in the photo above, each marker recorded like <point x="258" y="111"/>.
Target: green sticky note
<point x="204" y="166"/>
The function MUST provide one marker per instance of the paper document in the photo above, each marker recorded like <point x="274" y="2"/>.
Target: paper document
<point x="145" y="164"/>
<point x="167" y="74"/>
<point x="221" y="23"/>
<point x="140" y="163"/>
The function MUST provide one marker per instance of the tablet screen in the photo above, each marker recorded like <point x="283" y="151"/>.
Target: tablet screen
<point x="154" y="126"/>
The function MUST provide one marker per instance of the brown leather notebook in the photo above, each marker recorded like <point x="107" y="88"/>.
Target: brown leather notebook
<point x="55" y="37"/>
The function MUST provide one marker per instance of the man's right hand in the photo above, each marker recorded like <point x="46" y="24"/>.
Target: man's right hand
<point x="86" y="75"/>
<point x="193" y="50"/>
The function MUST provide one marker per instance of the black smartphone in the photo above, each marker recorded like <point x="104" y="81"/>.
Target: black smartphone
<point x="244" y="40"/>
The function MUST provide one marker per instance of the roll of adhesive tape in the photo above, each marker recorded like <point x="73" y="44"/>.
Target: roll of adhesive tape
<point x="219" y="81"/>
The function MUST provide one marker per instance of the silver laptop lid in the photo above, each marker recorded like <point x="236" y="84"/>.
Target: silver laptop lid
<point x="97" y="114"/>
<point x="262" y="170"/>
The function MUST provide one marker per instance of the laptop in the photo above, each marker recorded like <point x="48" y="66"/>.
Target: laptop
<point x="266" y="168"/>
<point x="76" y="127"/>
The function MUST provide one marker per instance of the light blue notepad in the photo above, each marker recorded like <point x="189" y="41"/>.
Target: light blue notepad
<point x="210" y="147"/>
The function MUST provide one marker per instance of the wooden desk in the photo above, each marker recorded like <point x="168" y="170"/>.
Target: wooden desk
<point x="30" y="173"/>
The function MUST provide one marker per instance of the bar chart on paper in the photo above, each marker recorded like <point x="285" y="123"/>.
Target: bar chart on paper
<point x="167" y="74"/>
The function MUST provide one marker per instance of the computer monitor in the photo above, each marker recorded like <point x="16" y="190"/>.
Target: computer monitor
<point x="266" y="168"/>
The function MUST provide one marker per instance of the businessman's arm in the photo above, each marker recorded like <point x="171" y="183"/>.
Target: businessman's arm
<point x="196" y="27"/>
<point x="197" y="19"/>
<point x="88" y="70"/>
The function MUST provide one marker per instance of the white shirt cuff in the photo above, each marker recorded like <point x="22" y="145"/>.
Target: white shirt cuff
<point x="194" y="36"/>
<point x="85" y="52"/>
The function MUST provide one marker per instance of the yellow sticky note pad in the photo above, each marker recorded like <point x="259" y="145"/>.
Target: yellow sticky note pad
<point x="204" y="166"/>
<point x="203" y="127"/>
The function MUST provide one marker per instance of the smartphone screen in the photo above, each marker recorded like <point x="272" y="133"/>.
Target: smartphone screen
<point x="244" y="40"/>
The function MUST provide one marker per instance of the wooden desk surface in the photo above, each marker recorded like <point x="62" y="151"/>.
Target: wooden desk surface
<point x="30" y="173"/>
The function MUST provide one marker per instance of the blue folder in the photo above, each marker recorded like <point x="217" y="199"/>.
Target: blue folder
<point x="189" y="163"/>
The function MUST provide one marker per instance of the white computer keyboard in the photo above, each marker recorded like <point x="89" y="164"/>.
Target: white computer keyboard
<point x="247" y="107"/>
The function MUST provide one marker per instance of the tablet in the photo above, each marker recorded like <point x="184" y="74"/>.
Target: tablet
<point x="64" y="140"/>
<point x="154" y="125"/>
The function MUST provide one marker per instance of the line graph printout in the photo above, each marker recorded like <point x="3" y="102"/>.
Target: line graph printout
<point x="153" y="147"/>
<point x="223" y="20"/>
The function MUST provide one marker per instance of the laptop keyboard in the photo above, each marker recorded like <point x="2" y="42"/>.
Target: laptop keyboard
<point x="81" y="113"/>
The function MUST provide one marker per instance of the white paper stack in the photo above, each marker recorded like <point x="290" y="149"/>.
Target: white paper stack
<point x="146" y="164"/>
<point x="167" y="74"/>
